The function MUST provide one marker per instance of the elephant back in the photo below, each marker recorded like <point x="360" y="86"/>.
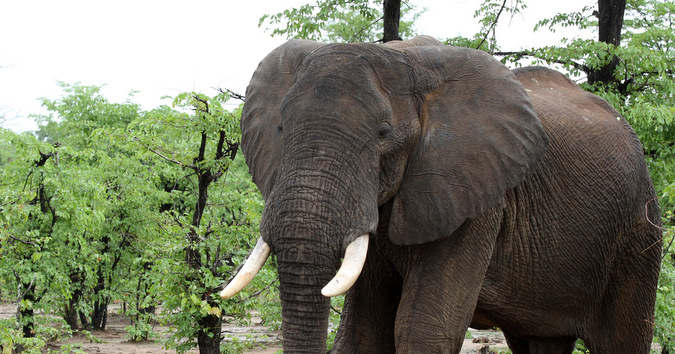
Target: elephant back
<point x="578" y="119"/>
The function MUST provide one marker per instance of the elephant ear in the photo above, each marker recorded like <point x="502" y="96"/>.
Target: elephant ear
<point x="261" y="136"/>
<point x="480" y="137"/>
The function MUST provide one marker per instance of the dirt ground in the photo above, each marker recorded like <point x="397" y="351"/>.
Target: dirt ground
<point x="114" y="339"/>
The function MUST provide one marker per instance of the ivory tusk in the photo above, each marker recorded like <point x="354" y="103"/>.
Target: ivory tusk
<point x="355" y="257"/>
<point x="253" y="264"/>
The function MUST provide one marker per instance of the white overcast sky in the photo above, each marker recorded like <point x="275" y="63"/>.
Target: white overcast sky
<point x="165" y="47"/>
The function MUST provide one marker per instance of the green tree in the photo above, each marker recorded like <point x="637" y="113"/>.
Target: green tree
<point x="75" y="206"/>
<point x="83" y="117"/>
<point x="211" y="221"/>
<point x="110" y="203"/>
<point x="26" y="252"/>
<point x="346" y="21"/>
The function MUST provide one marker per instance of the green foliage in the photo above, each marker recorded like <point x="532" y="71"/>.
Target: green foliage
<point x="580" y="347"/>
<point x="210" y="218"/>
<point x="76" y="208"/>
<point x="488" y="15"/>
<point x="310" y="20"/>
<point x="337" y="304"/>
<point x="339" y="21"/>
<point x="102" y="204"/>
<point x="47" y="329"/>
<point x="665" y="303"/>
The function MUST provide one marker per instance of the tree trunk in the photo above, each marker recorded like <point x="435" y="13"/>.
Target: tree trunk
<point x="70" y="313"/>
<point x="144" y="311"/>
<point x="84" y="320"/>
<point x="99" y="316"/>
<point x="26" y="314"/>
<point x="610" y="22"/>
<point x="209" y="336"/>
<point x="392" y="16"/>
<point x="209" y="327"/>
<point x="610" y="16"/>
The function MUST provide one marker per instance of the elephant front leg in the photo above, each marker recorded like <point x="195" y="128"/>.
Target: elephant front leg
<point x="440" y="289"/>
<point x="369" y="313"/>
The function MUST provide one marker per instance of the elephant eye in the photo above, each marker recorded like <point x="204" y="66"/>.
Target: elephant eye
<point x="384" y="130"/>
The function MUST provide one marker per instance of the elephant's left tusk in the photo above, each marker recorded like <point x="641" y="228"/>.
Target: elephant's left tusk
<point x="355" y="257"/>
<point x="253" y="264"/>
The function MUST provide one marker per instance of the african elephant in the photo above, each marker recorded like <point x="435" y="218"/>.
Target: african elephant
<point x="459" y="193"/>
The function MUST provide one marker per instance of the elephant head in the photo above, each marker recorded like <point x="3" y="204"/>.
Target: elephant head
<point x="341" y="138"/>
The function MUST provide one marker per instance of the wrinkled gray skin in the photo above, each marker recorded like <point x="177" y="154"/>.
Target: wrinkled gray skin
<point x="493" y="198"/>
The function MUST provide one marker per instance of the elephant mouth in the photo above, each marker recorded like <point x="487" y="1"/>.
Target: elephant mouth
<point x="344" y="279"/>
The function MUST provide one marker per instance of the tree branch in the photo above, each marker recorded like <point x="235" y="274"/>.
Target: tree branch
<point x="230" y="153"/>
<point x="23" y="241"/>
<point x="666" y="249"/>
<point x="492" y="26"/>
<point x="202" y="148"/>
<point x="232" y="94"/>
<point x="159" y="153"/>
<point x="525" y="53"/>
<point x="255" y="293"/>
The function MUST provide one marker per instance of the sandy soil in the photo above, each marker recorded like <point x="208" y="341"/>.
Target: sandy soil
<point x="114" y="339"/>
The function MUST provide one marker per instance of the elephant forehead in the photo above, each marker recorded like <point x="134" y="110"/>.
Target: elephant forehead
<point x="336" y="89"/>
<point x="385" y="68"/>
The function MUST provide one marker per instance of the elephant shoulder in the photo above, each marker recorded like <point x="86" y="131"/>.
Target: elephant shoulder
<point x="579" y="123"/>
<point x="535" y="78"/>
<point x="560" y="101"/>
<point x="419" y="41"/>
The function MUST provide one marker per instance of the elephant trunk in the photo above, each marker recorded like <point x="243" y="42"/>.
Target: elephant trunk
<point x="307" y="260"/>
<point x="310" y="220"/>
<point x="304" y="308"/>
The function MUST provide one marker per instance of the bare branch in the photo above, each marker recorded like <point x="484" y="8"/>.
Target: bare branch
<point x="336" y="310"/>
<point x="232" y="94"/>
<point x="255" y="294"/>
<point x="492" y="26"/>
<point x="665" y="251"/>
<point x="525" y="53"/>
<point x="23" y="241"/>
<point x="28" y="288"/>
<point x="136" y="139"/>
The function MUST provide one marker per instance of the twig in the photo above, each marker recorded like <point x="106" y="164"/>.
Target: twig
<point x="518" y="55"/>
<point x="255" y="294"/>
<point x="160" y="154"/>
<point x="336" y="310"/>
<point x="665" y="252"/>
<point x="525" y="53"/>
<point x="27" y="288"/>
<point x="233" y="94"/>
<point x="358" y="33"/>
<point x="24" y="241"/>
<point x="494" y="23"/>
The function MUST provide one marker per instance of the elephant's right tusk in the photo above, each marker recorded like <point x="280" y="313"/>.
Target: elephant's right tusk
<point x="253" y="264"/>
<point x="355" y="258"/>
